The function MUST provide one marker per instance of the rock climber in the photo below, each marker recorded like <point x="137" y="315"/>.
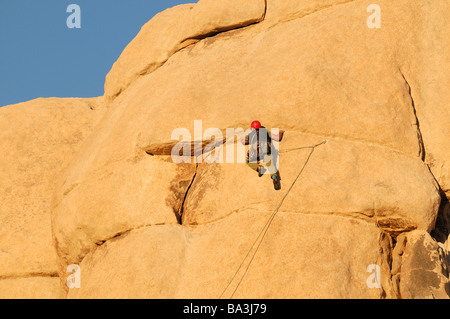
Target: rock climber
<point x="260" y="151"/>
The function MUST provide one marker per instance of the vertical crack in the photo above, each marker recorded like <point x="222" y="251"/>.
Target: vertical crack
<point x="181" y="209"/>
<point x="265" y="11"/>
<point x="422" y="152"/>
<point x="384" y="261"/>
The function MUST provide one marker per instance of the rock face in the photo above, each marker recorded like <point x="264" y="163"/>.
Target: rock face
<point x="424" y="269"/>
<point x="367" y="217"/>
<point x="39" y="138"/>
<point x="173" y="30"/>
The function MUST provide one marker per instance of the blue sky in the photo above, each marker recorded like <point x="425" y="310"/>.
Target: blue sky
<point x="41" y="57"/>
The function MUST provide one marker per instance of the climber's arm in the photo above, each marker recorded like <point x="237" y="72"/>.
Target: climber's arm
<point x="278" y="137"/>
<point x="245" y="141"/>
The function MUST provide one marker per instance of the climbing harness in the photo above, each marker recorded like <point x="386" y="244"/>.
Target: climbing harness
<point x="269" y="221"/>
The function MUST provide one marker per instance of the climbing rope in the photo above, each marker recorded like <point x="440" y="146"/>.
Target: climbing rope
<point x="264" y="230"/>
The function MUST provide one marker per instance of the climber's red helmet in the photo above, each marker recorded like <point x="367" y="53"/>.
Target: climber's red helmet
<point x="256" y="125"/>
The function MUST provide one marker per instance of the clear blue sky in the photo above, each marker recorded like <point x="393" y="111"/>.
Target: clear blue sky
<point x="41" y="57"/>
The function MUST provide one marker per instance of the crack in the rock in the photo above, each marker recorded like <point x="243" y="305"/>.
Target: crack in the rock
<point x="422" y="153"/>
<point x="30" y="275"/>
<point x="192" y="41"/>
<point x="302" y="14"/>
<point x="181" y="208"/>
<point x="122" y="233"/>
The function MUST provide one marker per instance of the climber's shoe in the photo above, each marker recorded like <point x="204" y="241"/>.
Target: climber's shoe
<point x="276" y="182"/>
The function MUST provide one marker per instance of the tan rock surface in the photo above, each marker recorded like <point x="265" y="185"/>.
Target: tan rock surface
<point x="283" y="10"/>
<point x="370" y="196"/>
<point x="31" y="288"/>
<point x="426" y="55"/>
<point x="388" y="188"/>
<point x="148" y="260"/>
<point x="371" y="169"/>
<point x="424" y="268"/>
<point x="39" y="138"/>
<point x="174" y="29"/>
<point x="199" y="262"/>
<point x="133" y="200"/>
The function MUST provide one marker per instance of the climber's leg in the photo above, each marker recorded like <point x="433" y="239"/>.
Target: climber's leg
<point x="273" y="171"/>
<point x="253" y="163"/>
<point x="270" y="165"/>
